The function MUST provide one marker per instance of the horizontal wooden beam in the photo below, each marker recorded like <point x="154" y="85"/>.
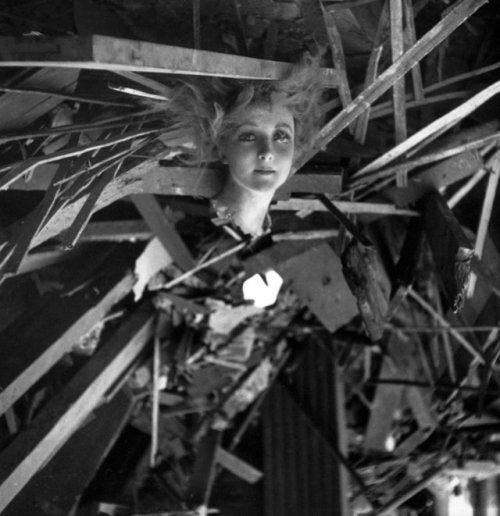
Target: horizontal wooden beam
<point x="117" y="55"/>
<point x="149" y="177"/>
<point x="64" y="414"/>
<point x="359" y="208"/>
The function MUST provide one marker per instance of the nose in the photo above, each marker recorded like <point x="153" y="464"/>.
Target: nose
<point x="265" y="152"/>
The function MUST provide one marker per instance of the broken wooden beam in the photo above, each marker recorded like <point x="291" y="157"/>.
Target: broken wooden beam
<point x="455" y="17"/>
<point x="64" y="414"/>
<point x="98" y="52"/>
<point x="433" y="130"/>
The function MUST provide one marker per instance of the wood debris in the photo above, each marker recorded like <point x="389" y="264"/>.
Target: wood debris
<point x="122" y="308"/>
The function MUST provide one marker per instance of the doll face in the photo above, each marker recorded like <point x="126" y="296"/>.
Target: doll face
<point x="259" y="151"/>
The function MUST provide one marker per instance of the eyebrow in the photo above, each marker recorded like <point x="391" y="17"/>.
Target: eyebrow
<point x="279" y="125"/>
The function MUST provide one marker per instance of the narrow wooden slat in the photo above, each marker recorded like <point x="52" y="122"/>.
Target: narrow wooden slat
<point x="444" y="122"/>
<point x="372" y="71"/>
<point x="493" y="166"/>
<point x="75" y="230"/>
<point x="67" y="411"/>
<point x="19" y="110"/>
<point x="461" y="12"/>
<point x="345" y="207"/>
<point x="399" y="88"/>
<point x="115" y="54"/>
<point x="416" y="73"/>
<point x="338" y="56"/>
<point x="151" y="211"/>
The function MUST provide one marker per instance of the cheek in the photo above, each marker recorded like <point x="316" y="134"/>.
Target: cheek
<point x="240" y="158"/>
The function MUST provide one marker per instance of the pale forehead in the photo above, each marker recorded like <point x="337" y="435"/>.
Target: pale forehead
<point x="272" y="113"/>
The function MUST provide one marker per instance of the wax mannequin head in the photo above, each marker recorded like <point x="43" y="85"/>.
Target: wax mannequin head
<point x="259" y="148"/>
<point x="256" y="129"/>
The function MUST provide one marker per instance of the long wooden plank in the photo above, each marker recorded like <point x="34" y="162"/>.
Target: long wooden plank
<point x="435" y="128"/>
<point x="461" y="12"/>
<point x="116" y="54"/>
<point x="50" y="330"/>
<point x="52" y="486"/>
<point x="67" y="411"/>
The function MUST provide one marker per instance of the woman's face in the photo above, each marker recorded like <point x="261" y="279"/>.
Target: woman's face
<point x="259" y="151"/>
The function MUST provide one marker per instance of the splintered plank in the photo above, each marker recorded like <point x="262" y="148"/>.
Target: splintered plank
<point x="115" y="54"/>
<point x="52" y="486"/>
<point x="451" y="250"/>
<point x="55" y="324"/>
<point x="434" y="129"/>
<point x="17" y="110"/>
<point x="460" y="12"/>
<point x="64" y="414"/>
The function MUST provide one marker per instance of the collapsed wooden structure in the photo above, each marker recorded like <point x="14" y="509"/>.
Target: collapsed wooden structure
<point x="107" y="320"/>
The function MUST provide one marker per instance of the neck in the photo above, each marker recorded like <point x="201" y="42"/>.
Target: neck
<point x="248" y="208"/>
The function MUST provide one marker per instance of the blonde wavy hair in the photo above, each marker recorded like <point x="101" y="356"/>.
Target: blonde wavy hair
<point x="209" y="108"/>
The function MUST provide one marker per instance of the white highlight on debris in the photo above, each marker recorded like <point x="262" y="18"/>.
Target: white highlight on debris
<point x="390" y="443"/>
<point x="262" y="295"/>
<point x="460" y="506"/>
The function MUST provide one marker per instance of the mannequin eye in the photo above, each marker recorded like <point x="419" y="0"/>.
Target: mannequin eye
<point x="246" y="137"/>
<point x="282" y="136"/>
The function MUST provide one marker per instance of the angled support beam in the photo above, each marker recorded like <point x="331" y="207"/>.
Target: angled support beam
<point x="63" y="415"/>
<point x="151" y="211"/>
